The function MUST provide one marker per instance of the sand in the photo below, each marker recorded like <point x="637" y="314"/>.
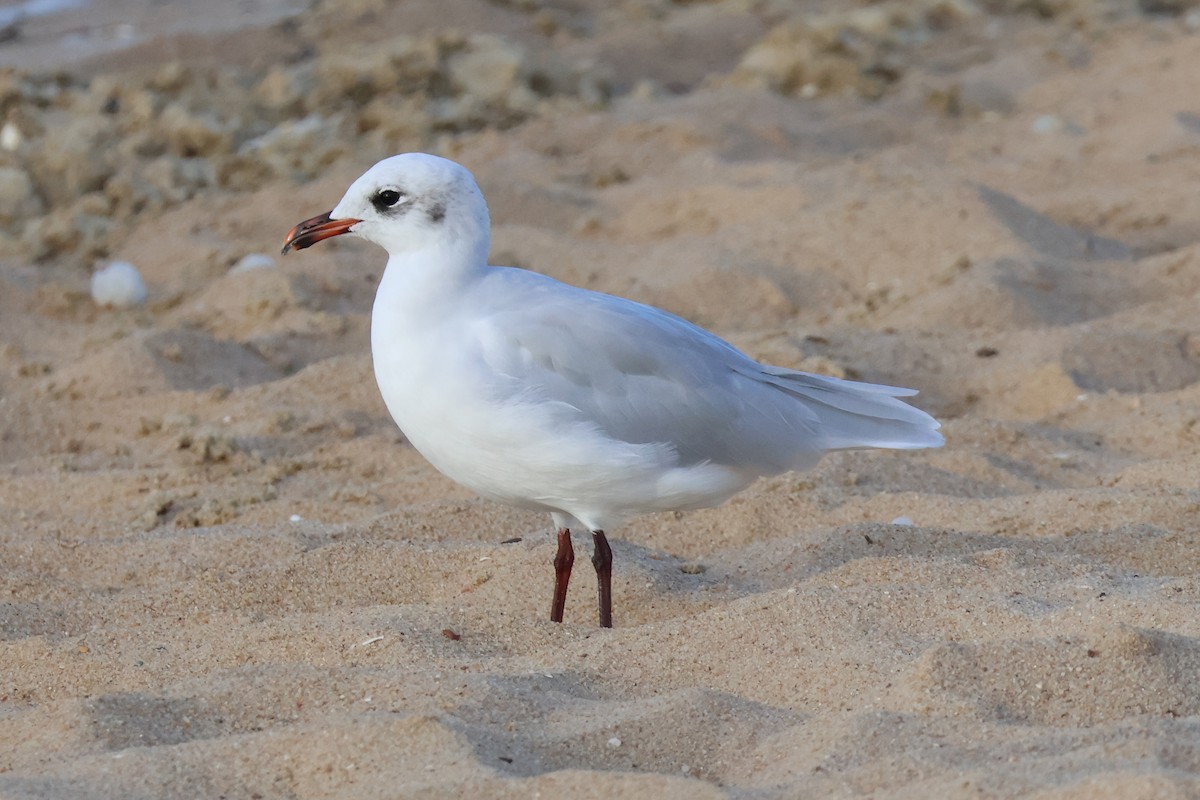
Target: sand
<point x="226" y="574"/>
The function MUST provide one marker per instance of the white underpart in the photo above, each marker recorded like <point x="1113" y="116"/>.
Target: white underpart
<point x="588" y="406"/>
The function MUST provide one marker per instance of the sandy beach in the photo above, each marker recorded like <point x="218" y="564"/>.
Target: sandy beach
<point x="225" y="573"/>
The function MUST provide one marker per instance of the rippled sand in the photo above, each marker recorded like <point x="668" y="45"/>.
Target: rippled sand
<point x="225" y="573"/>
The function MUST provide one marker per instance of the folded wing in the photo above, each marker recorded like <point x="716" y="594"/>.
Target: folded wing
<point x="642" y="375"/>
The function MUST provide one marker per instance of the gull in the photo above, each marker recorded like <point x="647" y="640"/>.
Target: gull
<point x="547" y="396"/>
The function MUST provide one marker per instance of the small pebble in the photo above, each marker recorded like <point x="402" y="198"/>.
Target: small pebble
<point x="614" y="742"/>
<point x="1048" y="123"/>
<point x="10" y="137"/>
<point x="905" y="521"/>
<point x="253" y="261"/>
<point x="692" y="568"/>
<point x="118" y="285"/>
<point x="295" y="518"/>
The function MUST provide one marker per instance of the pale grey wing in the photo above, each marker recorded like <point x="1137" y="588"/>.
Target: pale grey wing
<point x="635" y="374"/>
<point x="643" y="375"/>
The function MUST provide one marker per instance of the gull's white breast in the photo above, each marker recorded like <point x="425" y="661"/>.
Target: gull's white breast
<point x="508" y="440"/>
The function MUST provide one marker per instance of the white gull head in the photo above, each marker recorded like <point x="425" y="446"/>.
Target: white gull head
<point x="405" y="204"/>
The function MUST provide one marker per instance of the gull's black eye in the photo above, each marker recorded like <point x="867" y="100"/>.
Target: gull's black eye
<point x="387" y="198"/>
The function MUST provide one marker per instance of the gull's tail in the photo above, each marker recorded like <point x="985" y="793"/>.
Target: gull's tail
<point x="850" y="415"/>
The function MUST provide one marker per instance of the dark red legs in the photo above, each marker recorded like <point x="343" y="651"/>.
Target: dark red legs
<point x="602" y="561"/>
<point x="564" y="559"/>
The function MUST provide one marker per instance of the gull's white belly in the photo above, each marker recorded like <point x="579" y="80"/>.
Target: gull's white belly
<point x="533" y="452"/>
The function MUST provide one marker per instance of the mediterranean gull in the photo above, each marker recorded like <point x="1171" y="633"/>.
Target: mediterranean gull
<point x="591" y="407"/>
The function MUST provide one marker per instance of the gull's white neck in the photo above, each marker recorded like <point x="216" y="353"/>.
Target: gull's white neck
<point x="420" y="280"/>
<point x="423" y="278"/>
<point x="417" y="306"/>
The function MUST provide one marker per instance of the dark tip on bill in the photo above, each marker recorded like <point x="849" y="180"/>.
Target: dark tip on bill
<point x="313" y="230"/>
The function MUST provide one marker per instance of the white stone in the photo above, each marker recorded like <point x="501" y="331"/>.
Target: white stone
<point x="1048" y="123"/>
<point x="253" y="261"/>
<point x="10" y="137"/>
<point x="119" y="285"/>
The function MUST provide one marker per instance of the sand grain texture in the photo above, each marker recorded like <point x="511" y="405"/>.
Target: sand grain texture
<point x="224" y="572"/>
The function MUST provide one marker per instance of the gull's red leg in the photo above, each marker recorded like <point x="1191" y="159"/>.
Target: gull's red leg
<point x="602" y="561"/>
<point x="564" y="559"/>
